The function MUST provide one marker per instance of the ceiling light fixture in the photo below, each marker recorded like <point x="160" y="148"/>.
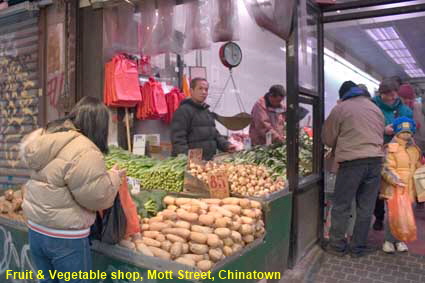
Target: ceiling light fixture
<point x="389" y="40"/>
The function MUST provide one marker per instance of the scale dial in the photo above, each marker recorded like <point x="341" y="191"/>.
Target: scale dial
<point x="230" y="55"/>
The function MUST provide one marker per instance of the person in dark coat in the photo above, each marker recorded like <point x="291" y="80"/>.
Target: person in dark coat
<point x="193" y="125"/>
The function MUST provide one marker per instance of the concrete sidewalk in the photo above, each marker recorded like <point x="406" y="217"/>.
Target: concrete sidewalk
<point x="378" y="267"/>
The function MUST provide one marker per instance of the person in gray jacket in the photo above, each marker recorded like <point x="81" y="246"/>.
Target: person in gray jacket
<point x="354" y="129"/>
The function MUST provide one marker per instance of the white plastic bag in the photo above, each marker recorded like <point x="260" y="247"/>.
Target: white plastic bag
<point x="147" y="23"/>
<point x="275" y="16"/>
<point x="119" y="30"/>
<point x="197" y="28"/>
<point x="225" y="21"/>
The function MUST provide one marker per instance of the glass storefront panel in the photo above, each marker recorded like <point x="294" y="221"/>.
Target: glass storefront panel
<point x="307" y="50"/>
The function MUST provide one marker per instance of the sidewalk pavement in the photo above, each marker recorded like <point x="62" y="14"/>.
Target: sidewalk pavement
<point x="378" y="267"/>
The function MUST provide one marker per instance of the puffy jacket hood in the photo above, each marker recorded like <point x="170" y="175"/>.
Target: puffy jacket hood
<point x="42" y="146"/>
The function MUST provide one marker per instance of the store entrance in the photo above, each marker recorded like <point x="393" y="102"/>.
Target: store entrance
<point x="368" y="43"/>
<point x="305" y="95"/>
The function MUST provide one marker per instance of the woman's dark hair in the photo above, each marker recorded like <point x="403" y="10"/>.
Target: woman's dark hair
<point x="277" y="90"/>
<point x="91" y="117"/>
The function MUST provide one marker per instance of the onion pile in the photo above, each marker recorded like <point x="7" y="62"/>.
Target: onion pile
<point x="244" y="179"/>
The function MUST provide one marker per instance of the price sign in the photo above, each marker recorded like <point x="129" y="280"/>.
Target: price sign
<point x="135" y="185"/>
<point x="195" y="155"/>
<point x="219" y="184"/>
<point x="139" y="144"/>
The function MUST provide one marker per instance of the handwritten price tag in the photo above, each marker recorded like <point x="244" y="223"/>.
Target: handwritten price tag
<point x="195" y="155"/>
<point x="219" y="184"/>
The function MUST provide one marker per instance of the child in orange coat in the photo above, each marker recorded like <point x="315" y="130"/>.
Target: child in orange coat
<point x="402" y="159"/>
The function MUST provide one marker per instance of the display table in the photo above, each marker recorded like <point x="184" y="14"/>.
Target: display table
<point x="267" y="254"/>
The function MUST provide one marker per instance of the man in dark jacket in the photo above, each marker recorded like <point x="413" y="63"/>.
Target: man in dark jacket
<point x="193" y="125"/>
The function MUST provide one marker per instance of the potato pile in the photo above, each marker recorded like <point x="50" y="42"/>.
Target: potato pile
<point x="244" y="179"/>
<point x="11" y="205"/>
<point x="199" y="232"/>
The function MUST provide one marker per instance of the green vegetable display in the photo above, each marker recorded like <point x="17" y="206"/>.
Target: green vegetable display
<point x="305" y="154"/>
<point x="274" y="156"/>
<point x="167" y="175"/>
<point x="149" y="203"/>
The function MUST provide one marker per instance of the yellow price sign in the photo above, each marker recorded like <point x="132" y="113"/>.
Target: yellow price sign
<point x="218" y="183"/>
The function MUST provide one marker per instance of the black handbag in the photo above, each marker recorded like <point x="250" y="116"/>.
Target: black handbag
<point x="110" y="228"/>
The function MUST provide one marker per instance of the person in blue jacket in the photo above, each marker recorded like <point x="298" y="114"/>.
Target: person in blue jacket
<point x="392" y="107"/>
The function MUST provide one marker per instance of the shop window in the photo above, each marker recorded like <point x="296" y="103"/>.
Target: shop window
<point x="307" y="50"/>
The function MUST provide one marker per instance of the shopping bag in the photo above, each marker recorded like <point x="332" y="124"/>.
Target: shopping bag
<point x="144" y="65"/>
<point x="126" y="80"/>
<point x="110" y="225"/>
<point x="400" y="215"/>
<point x="109" y="92"/>
<point x="173" y="100"/>
<point x="153" y="105"/>
<point x="130" y="210"/>
<point x="419" y="178"/>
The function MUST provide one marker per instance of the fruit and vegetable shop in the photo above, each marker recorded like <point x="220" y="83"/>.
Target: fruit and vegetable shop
<point x="246" y="210"/>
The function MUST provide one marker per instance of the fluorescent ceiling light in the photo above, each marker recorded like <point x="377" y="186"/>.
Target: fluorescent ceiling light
<point x="403" y="60"/>
<point x="391" y="44"/>
<point x="383" y="33"/>
<point x="410" y="66"/>
<point x="389" y="40"/>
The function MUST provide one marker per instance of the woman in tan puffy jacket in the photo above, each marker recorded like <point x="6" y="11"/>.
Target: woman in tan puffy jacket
<point x="69" y="183"/>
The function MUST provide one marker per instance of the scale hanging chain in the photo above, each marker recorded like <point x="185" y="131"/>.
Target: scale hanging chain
<point x="222" y="94"/>
<point x="238" y="97"/>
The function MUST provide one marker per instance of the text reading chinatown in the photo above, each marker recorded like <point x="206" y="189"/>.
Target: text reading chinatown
<point x="136" y="276"/>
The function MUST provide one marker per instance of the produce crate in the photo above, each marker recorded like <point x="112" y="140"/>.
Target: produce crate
<point x="265" y="254"/>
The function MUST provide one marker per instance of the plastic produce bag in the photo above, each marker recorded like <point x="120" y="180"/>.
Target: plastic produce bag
<point x="153" y="105"/>
<point x="148" y="20"/>
<point x="173" y="100"/>
<point x="225" y="21"/>
<point x="130" y="210"/>
<point x="110" y="226"/>
<point x="197" y="29"/>
<point x="109" y="92"/>
<point x="126" y="79"/>
<point x="119" y="30"/>
<point x="276" y="17"/>
<point x="400" y="214"/>
<point x="165" y="38"/>
<point x="144" y="66"/>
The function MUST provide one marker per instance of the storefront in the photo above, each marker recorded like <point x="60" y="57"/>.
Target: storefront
<point x="172" y="42"/>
